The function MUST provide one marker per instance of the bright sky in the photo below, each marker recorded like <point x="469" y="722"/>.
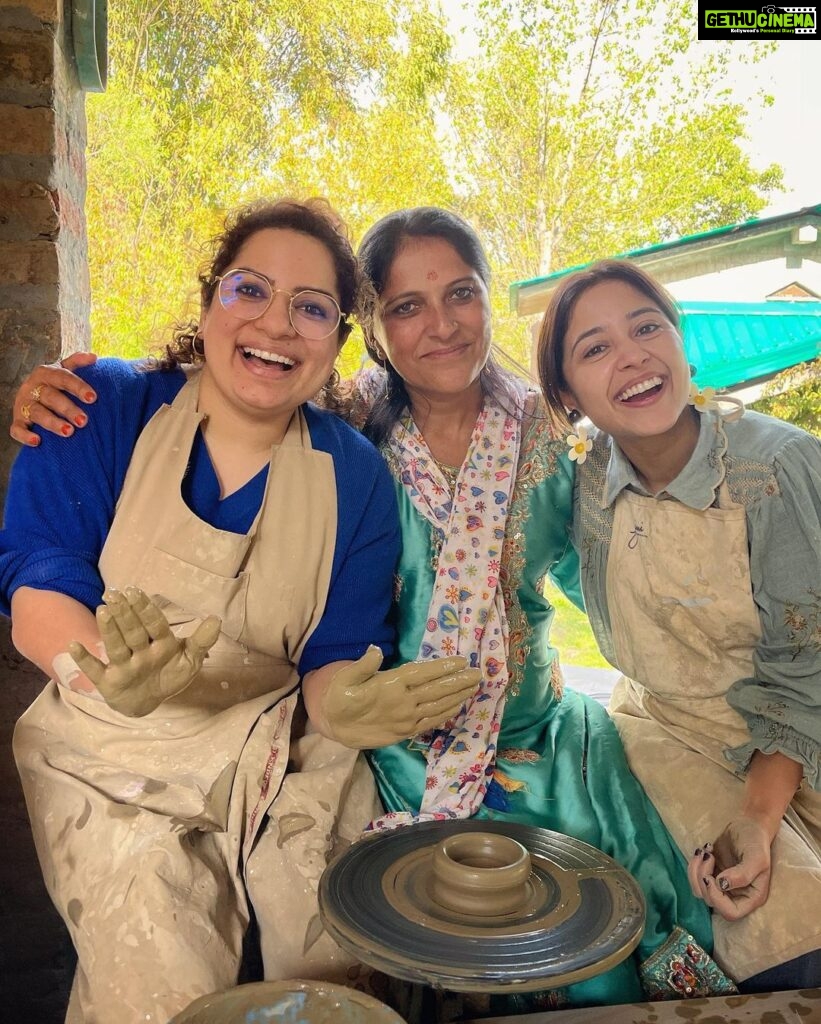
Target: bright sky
<point x="788" y="132"/>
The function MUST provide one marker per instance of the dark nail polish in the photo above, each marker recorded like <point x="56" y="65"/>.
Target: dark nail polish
<point x="705" y="855"/>
<point x="724" y="884"/>
<point x="706" y="881"/>
<point x="697" y="852"/>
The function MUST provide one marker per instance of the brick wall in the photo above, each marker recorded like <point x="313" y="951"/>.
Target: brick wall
<point x="44" y="305"/>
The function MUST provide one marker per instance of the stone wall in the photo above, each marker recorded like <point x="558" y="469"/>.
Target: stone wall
<point x="44" y="306"/>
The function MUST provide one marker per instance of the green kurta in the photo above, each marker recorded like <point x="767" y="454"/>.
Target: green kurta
<point x="560" y="764"/>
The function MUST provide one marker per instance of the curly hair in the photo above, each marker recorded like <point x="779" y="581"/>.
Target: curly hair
<point x="313" y="217"/>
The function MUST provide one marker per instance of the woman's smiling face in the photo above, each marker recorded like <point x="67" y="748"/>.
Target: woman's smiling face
<point x="624" y="363"/>
<point x="435" y="318"/>
<point x="263" y="366"/>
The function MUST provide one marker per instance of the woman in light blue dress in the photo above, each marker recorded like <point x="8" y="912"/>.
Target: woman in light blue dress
<point x="700" y="534"/>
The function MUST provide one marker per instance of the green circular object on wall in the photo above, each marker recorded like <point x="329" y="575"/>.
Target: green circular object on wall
<point x="89" y="33"/>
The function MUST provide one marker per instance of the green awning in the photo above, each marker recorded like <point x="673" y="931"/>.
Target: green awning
<point x="751" y="241"/>
<point x="734" y="343"/>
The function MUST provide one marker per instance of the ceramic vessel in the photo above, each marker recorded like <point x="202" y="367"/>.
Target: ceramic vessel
<point x="287" y="1002"/>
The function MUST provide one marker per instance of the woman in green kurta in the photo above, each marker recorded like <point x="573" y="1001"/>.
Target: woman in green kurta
<point x="556" y="761"/>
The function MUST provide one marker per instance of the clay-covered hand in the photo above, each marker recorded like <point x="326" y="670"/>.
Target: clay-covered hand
<point x="365" y="708"/>
<point x="43" y="399"/>
<point x="146" y="662"/>
<point x="732" y="875"/>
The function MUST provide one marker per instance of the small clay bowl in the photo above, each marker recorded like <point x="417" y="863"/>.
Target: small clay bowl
<point x="483" y="874"/>
<point x="288" y="1002"/>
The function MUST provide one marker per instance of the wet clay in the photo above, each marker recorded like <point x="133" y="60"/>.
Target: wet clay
<point x="363" y="708"/>
<point x="478" y="883"/>
<point x="480" y="874"/>
<point x="481" y="906"/>
<point x="137" y="674"/>
<point x="288" y="1002"/>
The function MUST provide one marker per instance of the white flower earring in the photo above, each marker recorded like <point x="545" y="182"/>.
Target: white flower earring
<point x="577" y="441"/>
<point x="704" y="399"/>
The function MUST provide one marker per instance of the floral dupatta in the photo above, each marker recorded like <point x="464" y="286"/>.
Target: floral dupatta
<point x="466" y="614"/>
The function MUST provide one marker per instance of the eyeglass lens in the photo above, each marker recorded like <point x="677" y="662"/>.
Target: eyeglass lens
<point x="247" y="295"/>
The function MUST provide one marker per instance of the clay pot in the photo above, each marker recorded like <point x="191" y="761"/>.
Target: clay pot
<point x="480" y="873"/>
<point x="288" y="1002"/>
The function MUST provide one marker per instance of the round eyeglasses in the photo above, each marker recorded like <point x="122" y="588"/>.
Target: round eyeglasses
<point x="248" y="295"/>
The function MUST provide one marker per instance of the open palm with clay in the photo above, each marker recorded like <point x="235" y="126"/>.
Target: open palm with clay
<point x="366" y="708"/>
<point x="147" y="663"/>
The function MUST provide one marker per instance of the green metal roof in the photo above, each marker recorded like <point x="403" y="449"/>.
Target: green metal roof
<point x="732" y="343"/>
<point x="754" y="223"/>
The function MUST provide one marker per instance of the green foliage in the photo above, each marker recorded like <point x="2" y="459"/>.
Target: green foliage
<point x="571" y="634"/>
<point x="212" y="103"/>
<point x="795" y="395"/>
<point x="564" y="129"/>
<point x="589" y="127"/>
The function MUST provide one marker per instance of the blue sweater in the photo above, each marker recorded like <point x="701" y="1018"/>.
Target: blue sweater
<point x="62" y="497"/>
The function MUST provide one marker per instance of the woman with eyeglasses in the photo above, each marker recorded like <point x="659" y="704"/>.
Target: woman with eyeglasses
<point x="233" y="540"/>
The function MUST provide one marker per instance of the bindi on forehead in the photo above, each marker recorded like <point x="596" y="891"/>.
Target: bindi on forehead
<point x="432" y="275"/>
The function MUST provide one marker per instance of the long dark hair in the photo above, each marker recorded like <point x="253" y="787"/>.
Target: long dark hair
<point x="314" y="217"/>
<point x="553" y="329"/>
<point x="377" y="251"/>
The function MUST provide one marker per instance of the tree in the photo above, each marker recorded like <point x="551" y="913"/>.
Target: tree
<point x="589" y="127"/>
<point x="212" y="103"/>
<point x="795" y="395"/>
<point x="573" y="129"/>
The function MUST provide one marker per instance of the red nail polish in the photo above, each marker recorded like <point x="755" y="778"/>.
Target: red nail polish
<point x="34" y="442"/>
<point x="66" y="430"/>
<point x="81" y="420"/>
<point x="89" y="396"/>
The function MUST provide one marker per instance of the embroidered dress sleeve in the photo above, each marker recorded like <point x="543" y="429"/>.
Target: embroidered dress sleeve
<point x="782" y="703"/>
<point x="547" y="477"/>
<point x="368" y="543"/>
<point x="565" y="571"/>
<point x="62" y="494"/>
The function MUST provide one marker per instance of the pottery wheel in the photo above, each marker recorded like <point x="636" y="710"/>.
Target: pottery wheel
<point x="581" y="915"/>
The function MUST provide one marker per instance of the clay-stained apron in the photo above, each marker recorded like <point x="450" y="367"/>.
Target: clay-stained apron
<point x="146" y="827"/>
<point x="685" y="624"/>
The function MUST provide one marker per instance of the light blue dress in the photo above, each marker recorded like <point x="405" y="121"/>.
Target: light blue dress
<point x="707" y="597"/>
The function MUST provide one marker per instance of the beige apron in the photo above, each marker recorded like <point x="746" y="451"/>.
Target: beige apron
<point x="145" y="827"/>
<point x="685" y="624"/>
